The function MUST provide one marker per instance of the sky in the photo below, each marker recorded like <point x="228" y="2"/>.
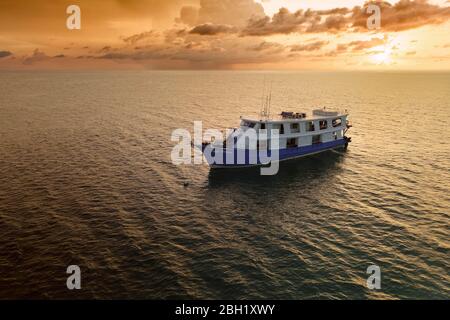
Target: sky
<point x="225" y="34"/>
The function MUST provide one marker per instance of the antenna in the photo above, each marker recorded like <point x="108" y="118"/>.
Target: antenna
<point x="262" y="97"/>
<point x="266" y="100"/>
<point x="270" y="99"/>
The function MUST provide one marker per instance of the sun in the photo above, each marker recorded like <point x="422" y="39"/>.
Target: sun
<point x="383" y="57"/>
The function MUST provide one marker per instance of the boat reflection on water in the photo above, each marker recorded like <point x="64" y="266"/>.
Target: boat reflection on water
<point x="303" y="171"/>
<point x="298" y="190"/>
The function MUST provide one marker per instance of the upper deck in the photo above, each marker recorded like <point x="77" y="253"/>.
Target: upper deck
<point x="293" y="129"/>
<point x="296" y="117"/>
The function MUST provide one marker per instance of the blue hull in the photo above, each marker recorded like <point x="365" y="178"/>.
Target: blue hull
<point x="285" y="154"/>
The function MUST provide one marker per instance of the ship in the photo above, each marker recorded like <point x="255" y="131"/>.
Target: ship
<point x="298" y="135"/>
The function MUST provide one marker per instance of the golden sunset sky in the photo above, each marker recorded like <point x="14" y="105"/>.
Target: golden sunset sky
<point x="225" y="34"/>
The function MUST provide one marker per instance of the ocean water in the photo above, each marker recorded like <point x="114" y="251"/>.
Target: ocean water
<point x="86" y="178"/>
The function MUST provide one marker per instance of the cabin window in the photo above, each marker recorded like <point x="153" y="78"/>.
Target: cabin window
<point x="316" y="139"/>
<point x="336" y="122"/>
<point x="279" y="127"/>
<point x="263" y="126"/>
<point x="291" y="143"/>
<point x="276" y="127"/>
<point x="310" y="126"/>
<point x="323" y="124"/>
<point x="248" y="124"/>
<point x="295" y="127"/>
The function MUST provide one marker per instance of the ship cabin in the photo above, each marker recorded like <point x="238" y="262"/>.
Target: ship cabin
<point x="299" y="129"/>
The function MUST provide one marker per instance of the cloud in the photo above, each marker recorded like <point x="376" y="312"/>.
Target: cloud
<point x="132" y="40"/>
<point x="104" y="49"/>
<point x="224" y="12"/>
<point x="213" y="33"/>
<point x="301" y="21"/>
<point x="317" y="45"/>
<point x="362" y="45"/>
<point x="25" y="25"/>
<point x="404" y="15"/>
<point x="268" y="46"/>
<point x="210" y="29"/>
<point x="204" y="43"/>
<point x="36" y="56"/>
<point x="283" y="22"/>
<point x="341" y="47"/>
<point x="4" y="54"/>
<point x="357" y="46"/>
<point x="193" y="51"/>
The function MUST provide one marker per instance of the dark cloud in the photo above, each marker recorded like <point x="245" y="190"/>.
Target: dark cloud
<point x="132" y="40"/>
<point x="105" y="49"/>
<point x="301" y="21"/>
<point x="4" y="54"/>
<point x="210" y="29"/>
<point x="333" y="11"/>
<point x="283" y="22"/>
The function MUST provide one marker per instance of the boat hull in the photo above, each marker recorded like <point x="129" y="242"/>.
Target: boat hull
<point x="284" y="154"/>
